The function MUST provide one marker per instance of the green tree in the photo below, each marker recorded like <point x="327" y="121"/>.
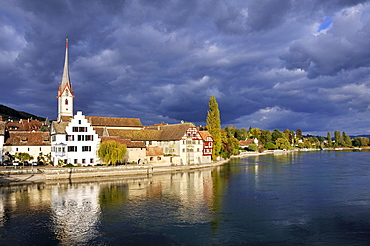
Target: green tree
<point x="265" y="136"/>
<point x="22" y="156"/>
<point x="346" y="140"/>
<point x="298" y="133"/>
<point x="360" y="141"/>
<point x="255" y="133"/>
<point x="282" y="143"/>
<point x="276" y="134"/>
<point x="230" y="145"/>
<point x="270" y="146"/>
<point x="330" y="141"/>
<point x="252" y="147"/>
<point x="240" y="134"/>
<point x="338" y="139"/>
<point x="112" y="152"/>
<point x="214" y="126"/>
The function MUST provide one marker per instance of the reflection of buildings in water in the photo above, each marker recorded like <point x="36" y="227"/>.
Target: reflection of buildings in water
<point x="190" y="193"/>
<point x="75" y="212"/>
<point x="33" y="197"/>
<point x="193" y="190"/>
<point x="2" y="210"/>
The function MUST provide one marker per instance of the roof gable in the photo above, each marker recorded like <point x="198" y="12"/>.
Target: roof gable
<point x="174" y="132"/>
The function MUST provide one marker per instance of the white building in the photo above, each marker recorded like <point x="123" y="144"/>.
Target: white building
<point x="74" y="141"/>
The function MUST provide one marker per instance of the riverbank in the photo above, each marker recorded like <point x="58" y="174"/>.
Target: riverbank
<point x="45" y="174"/>
<point x="49" y="174"/>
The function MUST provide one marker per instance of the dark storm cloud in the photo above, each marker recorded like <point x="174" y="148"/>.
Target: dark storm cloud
<point x="268" y="63"/>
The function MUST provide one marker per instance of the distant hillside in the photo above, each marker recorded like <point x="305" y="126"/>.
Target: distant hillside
<point x="12" y="114"/>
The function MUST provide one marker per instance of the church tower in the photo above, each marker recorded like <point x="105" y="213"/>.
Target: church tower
<point x="65" y="92"/>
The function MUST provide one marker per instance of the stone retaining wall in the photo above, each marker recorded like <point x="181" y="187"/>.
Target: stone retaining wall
<point x="42" y="174"/>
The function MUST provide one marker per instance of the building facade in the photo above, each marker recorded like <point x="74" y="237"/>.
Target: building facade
<point x="74" y="141"/>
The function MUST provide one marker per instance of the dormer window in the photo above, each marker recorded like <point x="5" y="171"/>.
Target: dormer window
<point x="66" y="102"/>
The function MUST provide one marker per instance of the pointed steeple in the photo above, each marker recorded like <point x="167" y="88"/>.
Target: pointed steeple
<point x="66" y="83"/>
<point x="65" y="92"/>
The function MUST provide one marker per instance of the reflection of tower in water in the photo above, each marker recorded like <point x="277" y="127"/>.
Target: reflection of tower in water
<point x="76" y="213"/>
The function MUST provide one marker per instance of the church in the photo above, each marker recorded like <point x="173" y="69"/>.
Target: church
<point x="75" y="138"/>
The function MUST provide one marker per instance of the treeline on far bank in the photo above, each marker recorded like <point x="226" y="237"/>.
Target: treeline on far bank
<point x="287" y="139"/>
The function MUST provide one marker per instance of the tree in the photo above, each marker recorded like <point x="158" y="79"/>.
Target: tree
<point x="265" y="137"/>
<point x="298" y="133"/>
<point x="252" y="147"/>
<point x="270" y="146"/>
<point x="214" y="126"/>
<point x="282" y="143"/>
<point x="346" y="140"/>
<point x="360" y="141"/>
<point x="240" y="134"/>
<point x="338" y="139"/>
<point x="276" y="134"/>
<point x="23" y="156"/>
<point x="329" y="139"/>
<point x="112" y="152"/>
<point x="255" y="133"/>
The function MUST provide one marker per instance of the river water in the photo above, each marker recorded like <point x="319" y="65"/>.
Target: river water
<point x="299" y="198"/>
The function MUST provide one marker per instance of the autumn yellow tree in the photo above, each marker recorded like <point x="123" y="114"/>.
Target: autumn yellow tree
<point x="112" y="152"/>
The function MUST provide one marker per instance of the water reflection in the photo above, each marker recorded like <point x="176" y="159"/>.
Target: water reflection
<point x="298" y="198"/>
<point x="77" y="210"/>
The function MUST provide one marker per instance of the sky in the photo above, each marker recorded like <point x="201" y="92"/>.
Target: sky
<point x="271" y="64"/>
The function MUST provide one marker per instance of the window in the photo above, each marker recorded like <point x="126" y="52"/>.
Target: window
<point x="75" y="161"/>
<point x="16" y="149"/>
<point x="158" y="158"/>
<point x="86" y="148"/>
<point x="40" y="148"/>
<point x="72" y="148"/>
<point x="66" y="102"/>
<point x="83" y="161"/>
<point x="89" y="137"/>
<point x="92" y="160"/>
<point x="70" y="137"/>
<point x="79" y="122"/>
<point x="79" y="129"/>
<point x="82" y="129"/>
<point x="53" y="138"/>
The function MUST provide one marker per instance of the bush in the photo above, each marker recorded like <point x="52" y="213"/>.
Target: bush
<point x="270" y="146"/>
<point x="252" y="147"/>
<point x="69" y="165"/>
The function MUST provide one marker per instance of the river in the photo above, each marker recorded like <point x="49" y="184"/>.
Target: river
<point x="298" y="198"/>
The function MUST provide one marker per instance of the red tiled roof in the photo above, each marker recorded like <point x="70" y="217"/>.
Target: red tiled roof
<point x="24" y="125"/>
<point x="246" y="142"/>
<point x="134" y="135"/>
<point x="65" y="118"/>
<point x="174" y="132"/>
<point x="28" y="139"/>
<point x="205" y="135"/>
<point x="127" y="142"/>
<point x="114" y="121"/>
<point x="153" y="151"/>
<point x="60" y="127"/>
